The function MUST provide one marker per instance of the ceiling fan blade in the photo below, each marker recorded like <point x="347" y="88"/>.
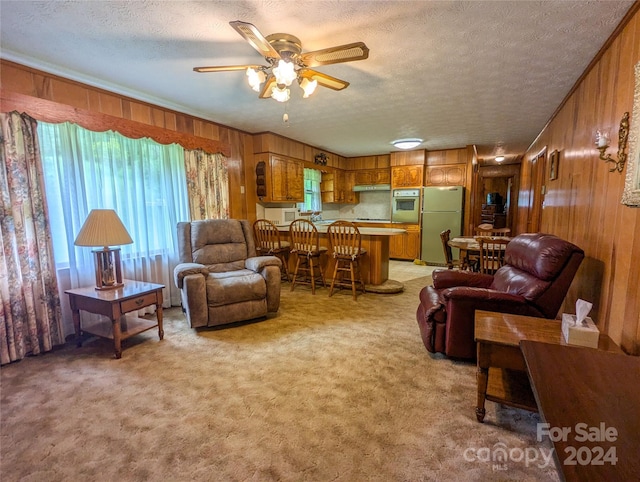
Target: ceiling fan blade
<point x="324" y="79"/>
<point x="269" y="83"/>
<point x="226" y="68"/>
<point x="252" y="35"/>
<point x="335" y="55"/>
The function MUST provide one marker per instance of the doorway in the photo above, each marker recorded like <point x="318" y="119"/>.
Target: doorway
<point x="497" y="195"/>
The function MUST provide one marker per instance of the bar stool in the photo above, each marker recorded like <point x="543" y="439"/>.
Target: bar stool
<point x="305" y="244"/>
<point x="346" y="247"/>
<point x="268" y="243"/>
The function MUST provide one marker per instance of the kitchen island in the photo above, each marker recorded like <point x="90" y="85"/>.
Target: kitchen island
<point x="374" y="264"/>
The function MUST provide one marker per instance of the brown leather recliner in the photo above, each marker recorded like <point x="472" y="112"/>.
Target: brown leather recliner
<point x="221" y="280"/>
<point x="534" y="280"/>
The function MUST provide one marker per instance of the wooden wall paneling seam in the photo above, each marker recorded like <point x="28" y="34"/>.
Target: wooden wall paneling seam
<point x="157" y="119"/>
<point x="609" y="78"/>
<point x="603" y="244"/>
<point x="69" y="93"/>
<point x="48" y="111"/>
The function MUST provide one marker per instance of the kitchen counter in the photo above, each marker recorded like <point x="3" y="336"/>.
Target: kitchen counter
<point x="357" y="221"/>
<point x="375" y="263"/>
<point x="323" y="228"/>
<point x="326" y="222"/>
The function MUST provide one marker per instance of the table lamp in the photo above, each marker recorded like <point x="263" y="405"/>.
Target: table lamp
<point x="104" y="228"/>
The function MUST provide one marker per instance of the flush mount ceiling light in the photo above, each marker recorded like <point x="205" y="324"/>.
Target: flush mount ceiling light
<point x="499" y="158"/>
<point x="407" y="143"/>
<point x="287" y="63"/>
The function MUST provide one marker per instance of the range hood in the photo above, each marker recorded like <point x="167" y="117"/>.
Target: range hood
<point x="372" y="187"/>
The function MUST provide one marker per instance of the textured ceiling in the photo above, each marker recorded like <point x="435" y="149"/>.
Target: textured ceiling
<point x="452" y="73"/>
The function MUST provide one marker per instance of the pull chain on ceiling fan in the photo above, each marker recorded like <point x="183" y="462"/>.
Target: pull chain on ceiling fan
<point x="287" y="63"/>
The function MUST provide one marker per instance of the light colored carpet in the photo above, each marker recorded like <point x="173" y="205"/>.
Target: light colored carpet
<point x="329" y="389"/>
<point x="407" y="270"/>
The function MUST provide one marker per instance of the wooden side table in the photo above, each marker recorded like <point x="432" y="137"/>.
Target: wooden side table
<point x="502" y="372"/>
<point x="113" y="304"/>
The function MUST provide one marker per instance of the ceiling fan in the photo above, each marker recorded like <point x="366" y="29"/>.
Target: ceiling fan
<point x="287" y="62"/>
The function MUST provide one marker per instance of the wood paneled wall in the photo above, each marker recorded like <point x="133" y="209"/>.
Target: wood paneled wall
<point x="408" y="158"/>
<point x="448" y="156"/>
<point x="276" y="144"/>
<point x="583" y="204"/>
<point x="369" y="162"/>
<point x="36" y="84"/>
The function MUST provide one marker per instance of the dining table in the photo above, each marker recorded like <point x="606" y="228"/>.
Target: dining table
<point x="469" y="249"/>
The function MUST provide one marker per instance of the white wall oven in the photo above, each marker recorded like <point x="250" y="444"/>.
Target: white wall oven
<point x="405" y="206"/>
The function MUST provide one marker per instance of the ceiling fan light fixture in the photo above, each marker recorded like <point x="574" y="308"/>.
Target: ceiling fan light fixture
<point x="407" y="143"/>
<point x="281" y="94"/>
<point x="308" y="86"/>
<point x="287" y="62"/>
<point x="285" y="73"/>
<point x="255" y="78"/>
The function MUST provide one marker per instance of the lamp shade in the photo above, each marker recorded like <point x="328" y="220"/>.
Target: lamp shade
<point x="103" y="228"/>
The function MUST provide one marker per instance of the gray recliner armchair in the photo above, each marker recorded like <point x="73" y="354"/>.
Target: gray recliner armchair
<point x="221" y="280"/>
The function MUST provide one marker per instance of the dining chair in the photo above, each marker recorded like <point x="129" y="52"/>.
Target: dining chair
<point x="492" y="251"/>
<point x="451" y="263"/>
<point x="269" y="243"/>
<point x="489" y="230"/>
<point x="346" y="249"/>
<point x="305" y="245"/>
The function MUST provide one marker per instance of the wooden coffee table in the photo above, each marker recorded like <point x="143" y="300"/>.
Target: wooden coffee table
<point x="113" y="304"/>
<point x="502" y="372"/>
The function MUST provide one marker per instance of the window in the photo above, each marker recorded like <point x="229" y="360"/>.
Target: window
<point x="143" y="181"/>
<point x="312" y="195"/>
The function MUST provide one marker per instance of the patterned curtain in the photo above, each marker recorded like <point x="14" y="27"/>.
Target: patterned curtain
<point x="30" y="314"/>
<point x="207" y="185"/>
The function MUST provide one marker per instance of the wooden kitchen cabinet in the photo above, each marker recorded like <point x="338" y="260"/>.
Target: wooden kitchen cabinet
<point x="372" y="176"/>
<point x="382" y="176"/>
<point x="405" y="246"/>
<point x="328" y="188"/>
<point x="401" y="246"/>
<point x="337" y="187"/>
<point x="445" y="175"/>
<point x="407" y="176"/>
<point x="287" y="180"/>
<point x="345" y="185"/>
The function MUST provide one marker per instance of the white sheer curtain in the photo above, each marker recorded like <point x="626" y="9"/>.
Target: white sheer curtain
<point x="143" y="181"/>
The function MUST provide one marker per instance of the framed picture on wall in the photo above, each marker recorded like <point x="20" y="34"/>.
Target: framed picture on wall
<point x="554" y="159"/>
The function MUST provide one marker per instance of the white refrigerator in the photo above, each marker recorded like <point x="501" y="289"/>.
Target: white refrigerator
<point x="441" y="210"/>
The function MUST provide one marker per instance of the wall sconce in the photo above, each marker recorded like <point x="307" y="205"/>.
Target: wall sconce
<point x="603" y="142"/>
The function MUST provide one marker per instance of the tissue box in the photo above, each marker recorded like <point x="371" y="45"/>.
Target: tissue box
<point x="579" y="334"/>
